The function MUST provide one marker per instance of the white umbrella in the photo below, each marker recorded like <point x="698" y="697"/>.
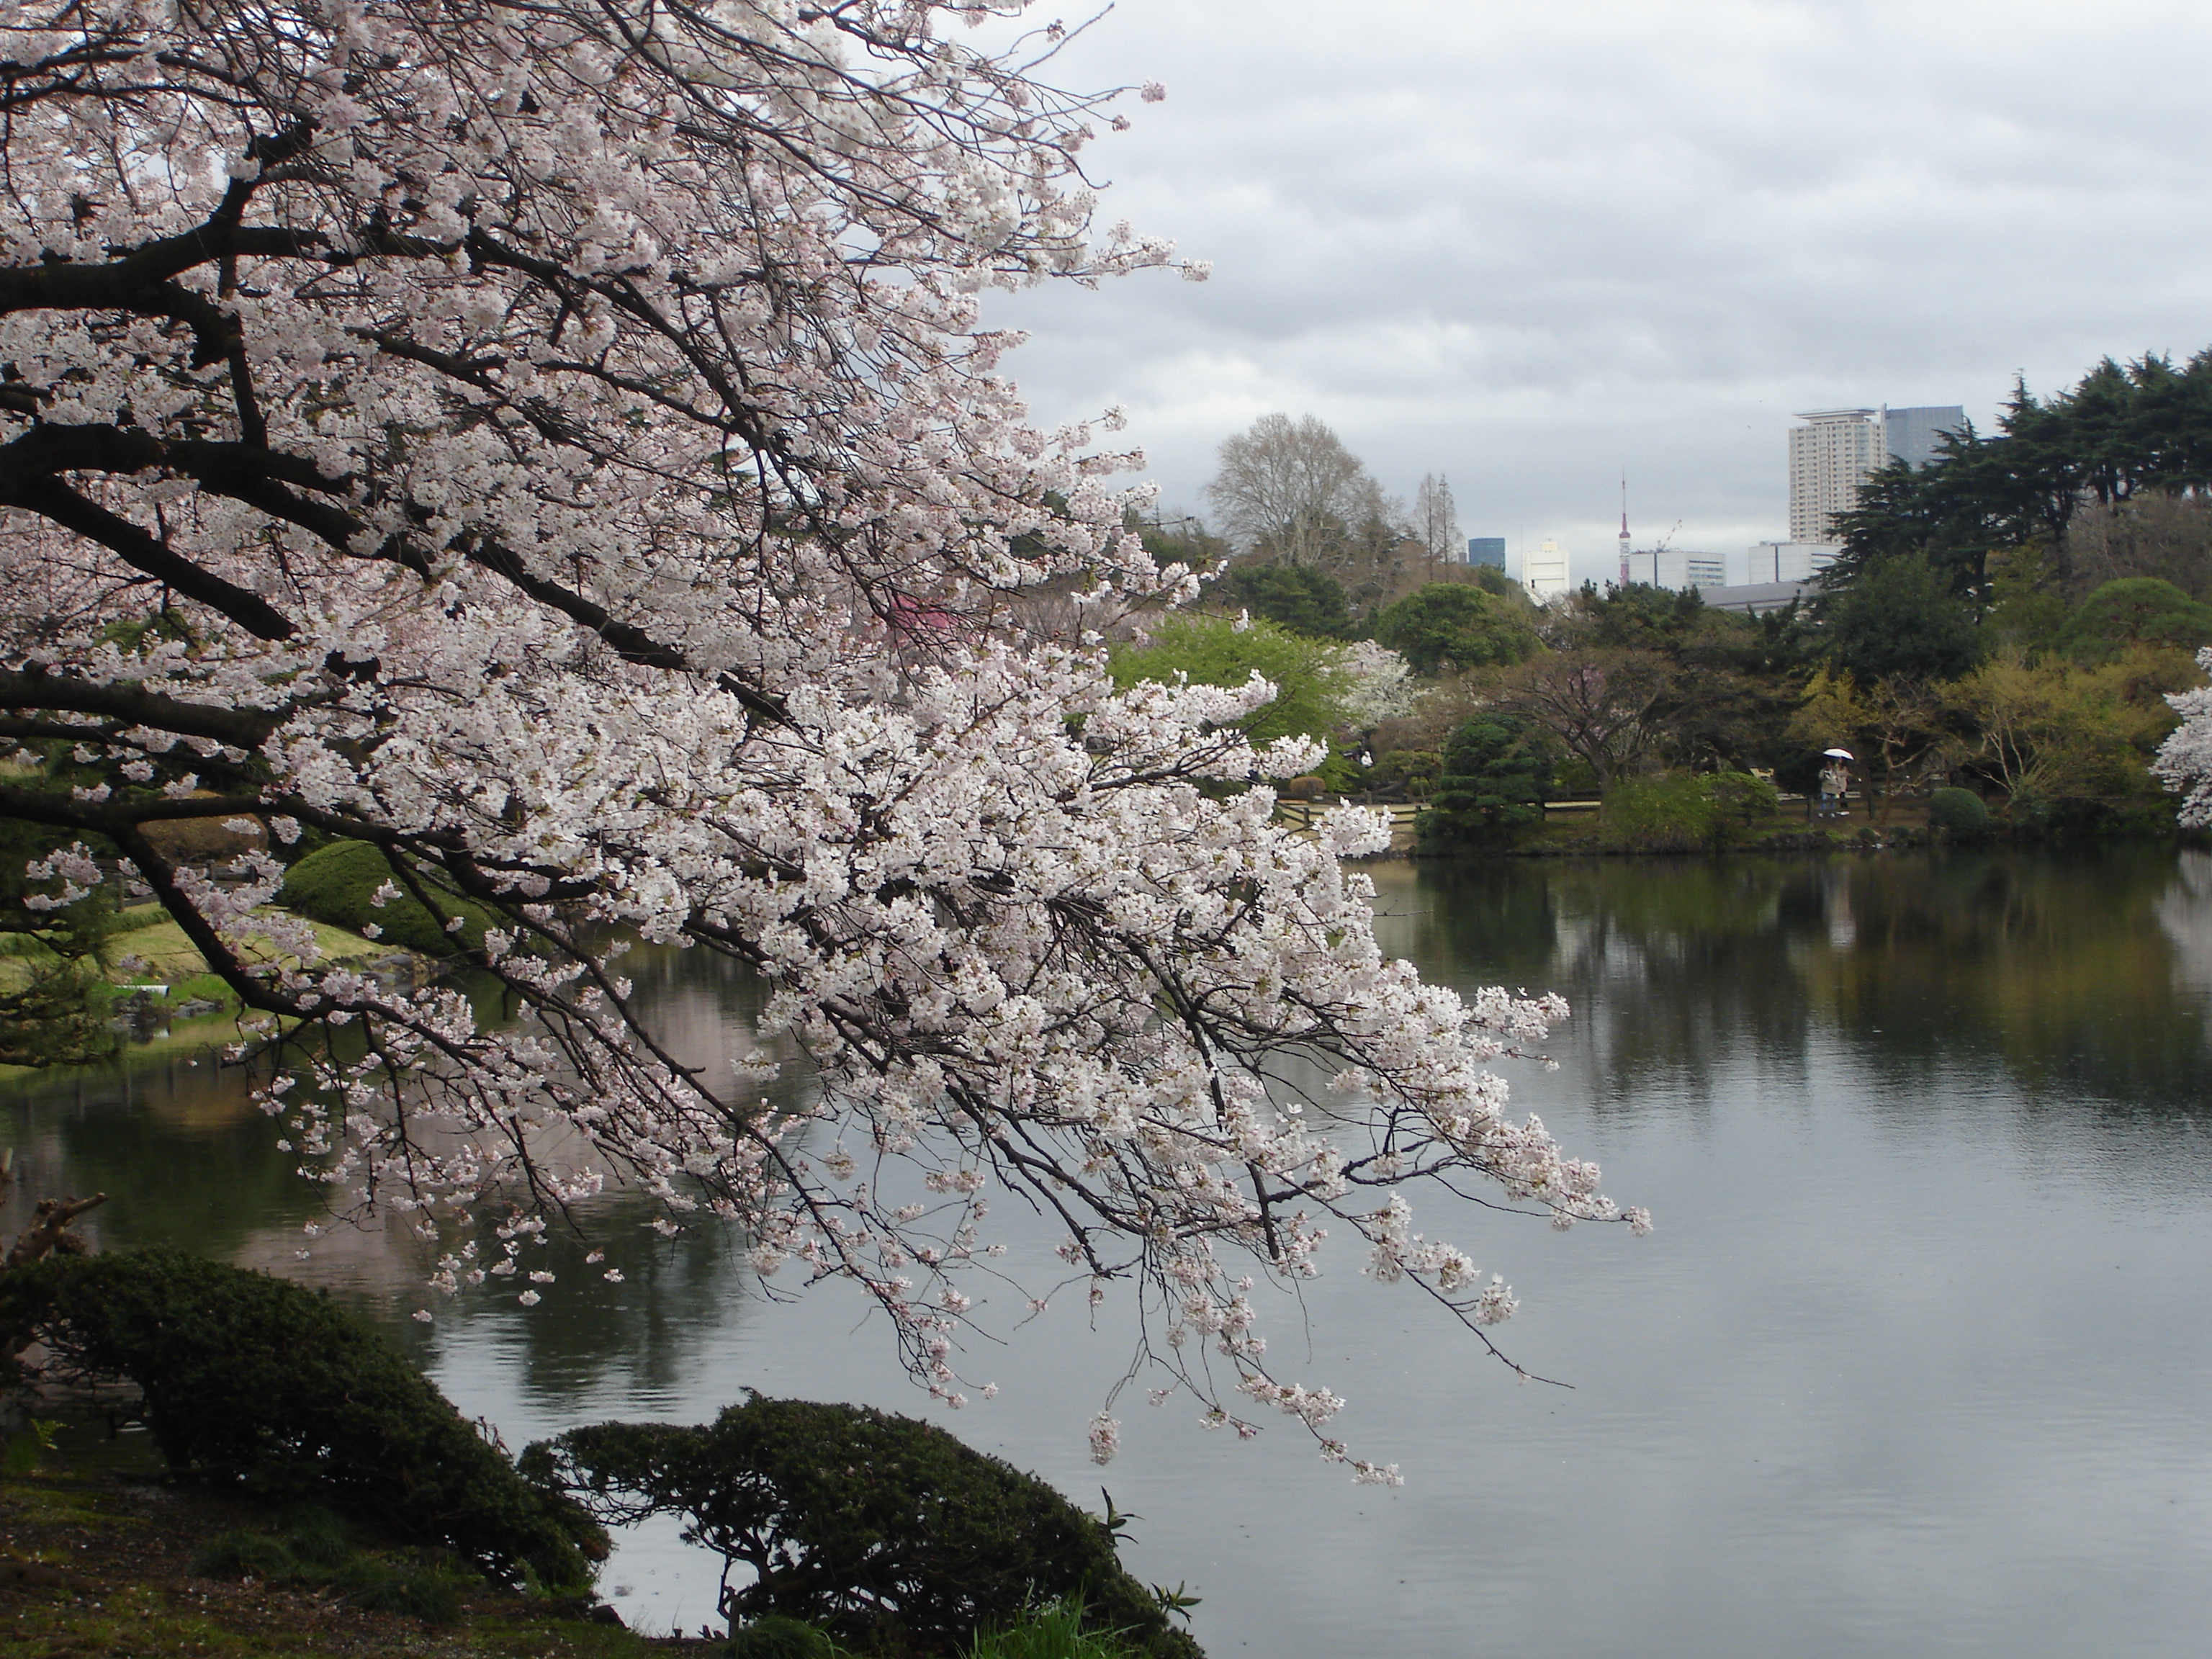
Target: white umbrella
<point x="1840" y="754"/>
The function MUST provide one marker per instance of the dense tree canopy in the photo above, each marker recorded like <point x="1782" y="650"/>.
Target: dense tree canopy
<point x="1444" y="626"/>
<point x="1900" y="616"/>
<point x="1292" y="596"/>
<point x="1309" y="679"/>
<point x="556" y="444"/>
<point x="2143" y="428"/>
<point x="2135" y="611"/>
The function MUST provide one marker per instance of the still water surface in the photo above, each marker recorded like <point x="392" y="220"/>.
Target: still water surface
<point x="1919" y="1360"/>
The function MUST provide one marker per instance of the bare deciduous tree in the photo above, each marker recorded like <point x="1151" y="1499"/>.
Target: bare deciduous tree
<point x="1291" y="489"/>
<point x="1436" y="520"/>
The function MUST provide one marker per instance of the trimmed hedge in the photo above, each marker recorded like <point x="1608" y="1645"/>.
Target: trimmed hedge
<point x="274" y="1388"/>
<point x="1958" y="812"/>
<point x="884" y="1531"/>
<point x="337" y="883"/>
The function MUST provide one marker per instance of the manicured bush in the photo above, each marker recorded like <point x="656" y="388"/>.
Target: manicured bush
<point x="1660" y="815"/>
<point x="276" y="1389"/>
<point x="1414" y="770"/>
<point x="1495" y="775"/>
<point x="1741" y="798"/>
<point x="338" y="885"/>
<point x="1957" y="812"/>
<point x="886" y="1532"/>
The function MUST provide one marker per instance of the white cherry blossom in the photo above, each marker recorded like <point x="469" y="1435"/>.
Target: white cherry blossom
<point x="557" y="444"/>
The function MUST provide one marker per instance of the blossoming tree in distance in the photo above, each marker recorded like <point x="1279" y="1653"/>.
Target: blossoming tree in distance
<point x="555" y="444"/>
<point x="2185" y="759"/>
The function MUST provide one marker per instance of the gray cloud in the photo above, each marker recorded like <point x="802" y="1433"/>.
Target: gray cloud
<point x="1528" y="245"/>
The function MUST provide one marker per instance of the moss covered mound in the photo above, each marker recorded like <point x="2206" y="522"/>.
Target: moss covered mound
<point x="338" y="884"/>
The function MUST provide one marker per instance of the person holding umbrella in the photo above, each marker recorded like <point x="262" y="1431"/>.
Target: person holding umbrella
<point x="1835" y="783"/>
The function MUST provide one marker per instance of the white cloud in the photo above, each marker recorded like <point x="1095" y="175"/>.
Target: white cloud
<point x="1527" y="244"/>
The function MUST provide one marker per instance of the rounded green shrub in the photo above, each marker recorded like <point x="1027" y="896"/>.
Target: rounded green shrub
<point x="1957" y="812"/>
<point x="1660" y="815"/>
<point x="275" y="1389"/>
<point x="886" y="1532"/>
<point x="775" y="1637"/>
<point x="338" y="884"/>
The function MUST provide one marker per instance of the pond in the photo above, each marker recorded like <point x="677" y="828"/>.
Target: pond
<point x="1915" y="1362"/>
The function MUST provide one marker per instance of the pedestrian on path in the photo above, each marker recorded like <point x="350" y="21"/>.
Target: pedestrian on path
<point x="1835" y="783"/>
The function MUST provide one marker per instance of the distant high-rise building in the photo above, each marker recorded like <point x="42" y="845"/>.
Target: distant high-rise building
<point x="1911" y="435"/>
<point x="1831" y="454"/>
<point x="1544" y="573"/>
<point x="1788" y="562"/>
<point x="1678" y="568"/>
<point x="1829" y="458"/>
<point x="1486" y="549"/>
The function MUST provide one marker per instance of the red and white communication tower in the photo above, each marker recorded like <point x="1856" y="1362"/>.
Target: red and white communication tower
<point x="1624" y="528"/>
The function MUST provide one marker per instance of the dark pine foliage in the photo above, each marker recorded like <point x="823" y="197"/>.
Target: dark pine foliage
<point x="2123" y="431"/>
<point x="1497" y="775"/>
<point x="274" y="1388"/>
<point x="886" y="1532"/>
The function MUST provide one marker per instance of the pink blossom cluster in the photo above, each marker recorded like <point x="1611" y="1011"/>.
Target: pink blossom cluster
<point x="556" y="444"/>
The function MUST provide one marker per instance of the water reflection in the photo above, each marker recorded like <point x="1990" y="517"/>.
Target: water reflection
<point x="1913" y="1365"/>
<point x="2081" y="978"/>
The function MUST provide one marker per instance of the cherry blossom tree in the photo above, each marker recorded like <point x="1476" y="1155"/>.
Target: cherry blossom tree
<point x="2185" y="759"/>
<point x="557" y="445"/>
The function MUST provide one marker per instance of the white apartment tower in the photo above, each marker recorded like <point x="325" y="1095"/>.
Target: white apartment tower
<point x="1830" y="457"/>
<point x="1544" y="572"/>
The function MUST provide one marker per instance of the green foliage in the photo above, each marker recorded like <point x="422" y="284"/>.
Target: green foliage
<point x="1054" y="1631"/>
<point x="1181" y="541"/>
<point x="775" y="1637"/>
<point x="1641" y="616"/>
<point x="1310" y="676"/>
<point x="2132" y="612"/>
<point x="2052" y="731"/>
<point x="1957" y="812"/>
<point x="1660" y="815"/>
<point x="1739" y="799"/>
<point x="2123" y="434"/>
<point x="276" y="1389"/>
<point x="1899" y="619"/>
<point x="1490" y="580"/>
<point x="338" y="884"/>
<point x="1497" y="775"/>
<point x="53" y="1001"/>
<point x="1297" y="597"/>
<point x="1414" y="770"/>
<point x="884" y="1531"/>
<point x="1445" y="626"/>
<point x="1685" y="811"/>
<point x="27" y="1451"/>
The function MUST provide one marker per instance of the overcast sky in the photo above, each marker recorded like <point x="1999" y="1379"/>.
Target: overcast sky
<point x="1526" y="245"/>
